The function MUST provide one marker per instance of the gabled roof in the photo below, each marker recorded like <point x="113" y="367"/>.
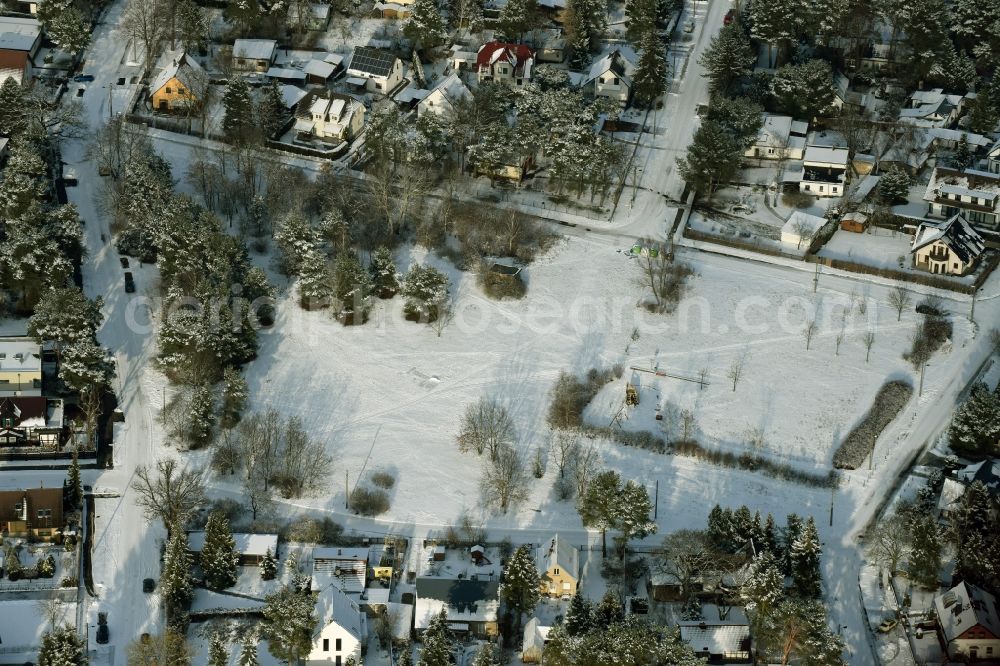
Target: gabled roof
<point x="986" y="472"/>
<point x="715" y="639"/>
<point x="826" y="155"/>
<point x="956" y="233"/>
<point x="456" y="592"/>
<point x="18" y="34"/>
<point x="254" y="545"/>
<point x="185" y="68"/>
<point x="559" y="554"/>
<point x="617" y="62"/>
<point x="26" y="410"/>
<point x="255" y="49"/>
<point x="965" y="606"/>
<point x="320" y="68"/>
<point x="332" y="605"/>
<point x="451" y="88"/>
<point x="38" y="498"/>
<point x="496" y="51"/>
<point x="372" y="61"/>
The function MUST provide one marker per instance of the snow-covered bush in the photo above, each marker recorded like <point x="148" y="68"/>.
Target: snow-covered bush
<point x="323" y="532"/>
<point x="933" y="332"/>
<point x="383" y="480"/>
<point x="891" y="398"/>
<point x="369" y="501"/>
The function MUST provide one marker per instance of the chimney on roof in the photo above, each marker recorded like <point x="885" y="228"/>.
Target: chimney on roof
<point x="702" y="625"/>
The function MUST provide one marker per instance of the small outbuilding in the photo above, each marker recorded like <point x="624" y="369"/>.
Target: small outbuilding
<point x="800" y="229"/>
<point x="855" y="222"/>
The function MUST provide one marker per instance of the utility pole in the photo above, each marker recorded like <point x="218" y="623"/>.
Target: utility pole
<point x="347" y="492"/>
<point x="656" y="498"/>
<point x="972" y="312"/>
<point x="920" y="391"/>
<point x="833" y="492"/>
<point x="815" y="278"/>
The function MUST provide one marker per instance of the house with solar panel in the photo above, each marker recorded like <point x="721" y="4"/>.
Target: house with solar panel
<point x="947" y="248"/>
<point x="374" y="70"/>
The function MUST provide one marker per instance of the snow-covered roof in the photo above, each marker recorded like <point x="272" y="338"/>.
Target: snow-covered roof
<point x="974" y="140"/>
<point x="451" y="88"/>
<point x="956" y="233"/>
<point x="291" y="95"/>
<point x="865" y="186"/>
<point x="285" y="73"/>
<point x="965" y="606"/>
<point x="969" y="182"/>
<point x="334" y="59"/>
<point x="21" y="626"/>
<point x="334" y="606"/>
<point x="339" y="554"/>
<point x="185" y="68"/>
<point x="618" y="61"/>
<point x="799" y="222"/>
<point x="320" y="68"/>
<point x="255" y="49"/>
<point x="20" y="354"/>
<point x="519" y="56"/>
<point x="825" y="155"/>
<point x="560" y="554"/>
<point x="254" y="545"/>
<point x="986" y="472"/>
<point x="716" y="639"/>
<point x="18" y="34"/>
<point x="951" y="493"/>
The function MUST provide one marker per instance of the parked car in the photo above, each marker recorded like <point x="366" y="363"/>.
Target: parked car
<point x="129" y="283"/>
<point x="83" y="78"/>
<point x="124" y="261"/>
<point x="103" y="634"/>
<point x="887" y="625"/>
<point x="80" y="91"/>
<point x="730" y="17"/>
<point x="148" y="585"/>
<point x="689" y="26"/>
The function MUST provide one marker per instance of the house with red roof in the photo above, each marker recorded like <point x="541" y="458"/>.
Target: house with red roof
<point x="505" y="63"/>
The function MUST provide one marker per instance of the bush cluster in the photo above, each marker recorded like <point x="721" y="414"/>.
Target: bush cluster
<point x="383" y="480"/>
<point x="323" y="532"/>
<point x="369" y="501"/>
<point x="933" y="332"/>
<point x="891" y="398"/>
<point x="571" y="395"/>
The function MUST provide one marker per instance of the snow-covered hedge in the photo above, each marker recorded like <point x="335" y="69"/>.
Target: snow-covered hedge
<point x="891" y="398"/>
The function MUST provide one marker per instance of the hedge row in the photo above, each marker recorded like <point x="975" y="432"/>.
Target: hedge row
<point x="891" y="398"/>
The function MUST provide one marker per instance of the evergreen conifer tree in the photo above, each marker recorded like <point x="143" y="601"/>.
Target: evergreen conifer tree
<point x="650" y="78"/>
<point x="74" y="487"/>
<point x="437" y="643"/>
<point x="351" y="288"/>
<point x="238" y="122"/>
<point x="176" y="583"/>
<point x="268" y="566"/>
<point x="218" y="655"/>
<point x="608" y="611"/>
<point x="385" y="277"/>
<point x="219" y="559"/>
<point x="975" y="428"/>
<point x="62" y="646"/>
<point x="728" y="58"/>
<point x="805" y="561"/>
<point x="579" y="616"/>
<point x="925" y="558"/>
<point x="425" y="25"/>
<point x="793" y="527"/>
<point x="520" y="586"/>
<point x="248" y="653"/>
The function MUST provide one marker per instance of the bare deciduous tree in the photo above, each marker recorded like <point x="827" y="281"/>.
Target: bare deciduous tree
<point x="564" y="450"/>
<point x="168" y="492"/>
<point x="661" y="275"/>
<point x="809" y="331"/>
<point x="888" y="543"/>
<point x="584" y="468"/>
<point x="143" y="21"/>
<point x="486" y="427"/>
<point x="899" y="299"/>
<point x="686" y="554"/>
<point x="504" y="481"/>
<point x="839" y="341"/>
<point x="736" y="370"/>
<point x="868" y="339"/>
<point x="304" y="461"/>
<point x="687" y="424"/>
<point x="702" y="376"/>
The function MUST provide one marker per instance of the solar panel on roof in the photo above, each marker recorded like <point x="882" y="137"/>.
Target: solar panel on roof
<point x="373" y="61"/>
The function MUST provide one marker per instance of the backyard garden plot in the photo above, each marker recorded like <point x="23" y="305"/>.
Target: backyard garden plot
<point x="388" y="396"/>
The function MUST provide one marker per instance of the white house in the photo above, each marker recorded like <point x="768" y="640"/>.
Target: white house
<point x="800" y="229"/>
<point x="346" y="568"/>
<point x="824" y="170"/>
<point x="611" y="77"/>
<point x="947" y="248"/>
<point x="505" y="63"/>
<point x="443" y="97"/>
<point x="993" y="158"/>
<point x="933" y="108"/>
<point x="969" y="623"/>
<point x="254" y="55"/>
<point x="374" y="70"/>
<point x="341" y="630"/>
<point x="973" y="193"/>
<point x="334" y="117"/>
<point x="780" y="137"/>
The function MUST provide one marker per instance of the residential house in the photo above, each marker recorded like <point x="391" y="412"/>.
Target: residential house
<point x="950" y="499"/>
<point x="374" y="69"/>
<point x="824" y="170"/>
<point x="460" y="58"/>
<point x="316" y="16"/>
<point x="611" y="77"/>
<point x="719" y="643"/>
<point x="395" y="9"/>
<point x="536" y="635"/>
<point x="559" y="568"/>
<point x="971" y="192"/>
<point x="993" y="158"/>
<point x="178" y="86"/>
<point x="505" y="63"/>
<point x="287" y="75"/>
<point x="346" y="568"/>
<point x="550" y="45"/>
<point x="250" y="547"/>
<point x="969" y="623"/>
<point x="987" y="472"/>
<point x="254" y="55"/>
<point x="20" y="39"/>
<point x="31" y="421"/>
<point x="800" y="228"/>
<point x="341" y="631"/>
<point x="20" y="367"/>
<point x="332" y="117"/>
<point x="471" y="605"/>
<point x="36" y="513"/>
<point x="933" y="108"/>
<point x="947" y="248"/>
<point x="444" y="96"/>
<point x="780" y="137"/>
<point x="25" y="6"/>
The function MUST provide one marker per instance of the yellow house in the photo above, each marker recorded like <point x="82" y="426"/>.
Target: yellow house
<point x="175" y="88"/>
<point x="947" y="248"/>
<point x="559" y="566"/>
<point x="20" y="367"/>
